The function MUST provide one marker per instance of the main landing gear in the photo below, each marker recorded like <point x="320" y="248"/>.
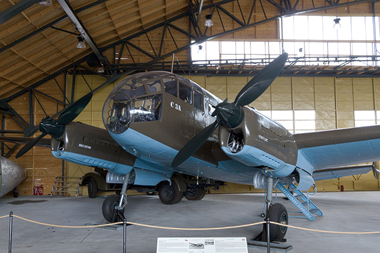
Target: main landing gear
<point x="276" y="213"/>
<point x="169" y="193"/>
<point x="114" y="205"/>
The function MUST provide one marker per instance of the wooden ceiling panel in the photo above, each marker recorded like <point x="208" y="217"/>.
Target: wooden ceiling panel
<point x="29" y="74"/>
<point x="123" y="9"/>
<point x="93" y="23"/>
<point x="5" y="4"/>
<point x="15" y="64"/>
<point x="16" y="73"/>
<point x="20" y="32"/>
<point x="79" y="4"/>
<point x="8" y="28"/>
<point x="94" y="13"/>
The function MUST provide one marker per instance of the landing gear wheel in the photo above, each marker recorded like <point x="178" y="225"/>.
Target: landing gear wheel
<point x="195" y="193"/>
<point x="262" y="215"/>
<point x="92" y="187"/>
<point x="15" y="193"/>
<point x="109" y="212"/>
<point x="169" y="194"/>
<point x="277" y="213"/>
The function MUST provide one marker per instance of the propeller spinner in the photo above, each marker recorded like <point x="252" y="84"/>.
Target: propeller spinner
<point x="55" y="128"/>
<point x="231" y="115"/>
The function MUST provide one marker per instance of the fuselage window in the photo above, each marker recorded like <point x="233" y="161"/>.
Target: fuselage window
<point x="147" y="109"/>
<point x="170" y="85"/>
<point x="198" y="100"/>
<point x="185" y="93"/>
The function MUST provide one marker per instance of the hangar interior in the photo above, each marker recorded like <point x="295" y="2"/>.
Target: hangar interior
<point x="330" y="80"/>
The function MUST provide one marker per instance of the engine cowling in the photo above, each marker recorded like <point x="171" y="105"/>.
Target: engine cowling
<point x="258" y="141"/>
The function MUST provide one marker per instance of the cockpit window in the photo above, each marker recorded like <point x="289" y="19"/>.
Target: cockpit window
<point x="185" y="93"/>
<point x="122" y="113"/>
<point x="170" y="85"/>
<point x="153" y="85"/>
<point x="147" y="109"/>
<point x="135" y="99"/>
<point x="198" y="100"/>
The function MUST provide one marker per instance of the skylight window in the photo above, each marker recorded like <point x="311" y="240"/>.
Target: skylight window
<point x="302" y="36"/>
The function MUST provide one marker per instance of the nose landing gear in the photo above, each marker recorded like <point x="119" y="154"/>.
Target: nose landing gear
<point x="114" y="205"/>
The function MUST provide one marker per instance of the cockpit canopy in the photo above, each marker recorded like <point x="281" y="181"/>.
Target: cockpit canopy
<point x="136" y="98"/>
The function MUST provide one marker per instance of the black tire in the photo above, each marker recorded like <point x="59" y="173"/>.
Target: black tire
<point x="195" y="193"/>
<point x="92" y="187"/>
<point x="277" y="213"/>
<point x="108" y="208"/>
<point x="169" y="194"/>
<point x="15" y="193"/>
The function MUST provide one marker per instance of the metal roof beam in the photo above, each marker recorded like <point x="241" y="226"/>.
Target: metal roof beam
<point x="49" y="25"/>
<point x="16" y="9"/>
<point x="83" y="31"/>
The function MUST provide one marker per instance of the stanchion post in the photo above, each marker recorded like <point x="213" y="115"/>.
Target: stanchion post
<point x="124" y="235"/>
<point x="268" y="235"/>
<point x="10" y="232"/>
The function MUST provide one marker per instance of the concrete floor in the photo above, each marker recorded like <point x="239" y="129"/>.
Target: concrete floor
<point x="343" y="211"/>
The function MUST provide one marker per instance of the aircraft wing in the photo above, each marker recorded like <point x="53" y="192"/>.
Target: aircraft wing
<point x="341" y="172"/>
<point x="335" y="148"/>
<point x="23" y="140"/>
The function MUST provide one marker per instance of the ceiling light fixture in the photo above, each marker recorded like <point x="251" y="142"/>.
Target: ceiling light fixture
<point x="208" y="21"/>
<point x="46" y="3"/>
<point x="337" y="25"/>
<point x="81" y="43"/>
<point x="101" y="68"/>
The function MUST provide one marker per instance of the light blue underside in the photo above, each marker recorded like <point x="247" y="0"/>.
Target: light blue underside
<point x="159" y="157"/>
<point x="336" y="155"/>
<point x="156" y="157"/>
<point x="252" y="156"/>
<point x="93" y="162"/>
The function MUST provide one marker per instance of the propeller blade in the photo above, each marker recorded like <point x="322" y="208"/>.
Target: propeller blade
<point x="194" y="144"/>
<point x="259" y="83"/>
<point x="73" y="110"/>
<point x="30" y="130"/>
<point x="30" y="145"/>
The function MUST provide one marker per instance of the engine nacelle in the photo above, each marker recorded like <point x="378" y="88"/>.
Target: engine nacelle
<point x="260" y="142"/>
<point x="91" y="146"/>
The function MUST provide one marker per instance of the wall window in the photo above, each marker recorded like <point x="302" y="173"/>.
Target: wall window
<point x="364" y="118"/>
<point x="304" y="121"/>
<point x="303" y="36"/>
<point x="294" y="121"/>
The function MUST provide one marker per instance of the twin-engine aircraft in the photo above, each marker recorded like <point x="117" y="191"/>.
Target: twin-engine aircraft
<point x="167" y="132"/>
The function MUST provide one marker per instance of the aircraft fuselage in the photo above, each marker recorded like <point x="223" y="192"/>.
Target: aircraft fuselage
<point x="154" y="114"/>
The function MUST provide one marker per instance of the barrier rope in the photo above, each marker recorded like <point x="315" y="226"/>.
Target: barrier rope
<point x="134" y="223"/>
<point x="194" y="229"/>
<point x="325" y="231"/>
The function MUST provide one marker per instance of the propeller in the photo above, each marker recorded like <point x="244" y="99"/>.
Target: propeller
<point x="231" y="115"/>
<point x="56" y="128"/>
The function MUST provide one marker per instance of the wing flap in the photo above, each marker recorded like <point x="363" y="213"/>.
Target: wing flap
<point x="341" y="172"/>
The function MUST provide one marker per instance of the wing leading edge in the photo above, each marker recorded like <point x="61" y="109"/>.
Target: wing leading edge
<point x="335" y="148"/>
